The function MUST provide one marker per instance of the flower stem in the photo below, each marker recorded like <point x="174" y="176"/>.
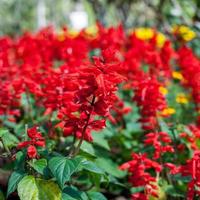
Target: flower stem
<point x="77" y="149"/>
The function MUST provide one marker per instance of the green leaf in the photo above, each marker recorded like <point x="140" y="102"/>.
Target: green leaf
<point x="92" y="167"/>
<point x="67" y="197"/>
<point x="20" y="160"/>
<point x="3" y="131"/>
<point x="178" y="177"/>
<point x="97" y="175"/>
<point x="39" y="165"/>
<point x="14" y="179"/>
<point x="62" y="168"/>
<point x="101" y="141"/>
<point x="87" y="150"/>
<point x="96" y="196"/>
<point x="31" y="188"/>
<point x="114" y="181"/>
<point x="163" y="126"/>
<point x="136" y="189"/>
<point x="172" y="191"/>
<point x="48" y="190"/>
<point x="110" y="167"/>
<point x="72" y="193"/>
<point x="8" y="139"/>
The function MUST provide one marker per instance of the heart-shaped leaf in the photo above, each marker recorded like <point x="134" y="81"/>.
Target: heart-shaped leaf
<point x="62" y="168"/>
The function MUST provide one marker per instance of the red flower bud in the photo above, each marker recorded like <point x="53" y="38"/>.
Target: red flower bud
<point x="32" y="151"/>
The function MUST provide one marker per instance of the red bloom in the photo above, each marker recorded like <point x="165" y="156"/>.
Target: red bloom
<point x="150" y="100"/>
<point x="161" y="143"/>
<point x="32" y="151"/>
<point x="190" y="67"/>
<point x="33" y="133"/>
<point x="140" y="177"/>
<point x="36" y="140"/>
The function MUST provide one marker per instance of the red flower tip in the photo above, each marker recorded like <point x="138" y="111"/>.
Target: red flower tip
<point x="32" y="152"/>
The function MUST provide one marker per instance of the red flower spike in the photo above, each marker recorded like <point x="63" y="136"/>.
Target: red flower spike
<point x="32" y="152"/>
<point x="140" y="177"/>
<point x="36" y="139"/>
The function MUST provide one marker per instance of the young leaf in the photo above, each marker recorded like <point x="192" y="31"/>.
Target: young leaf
<point x="27" y="188"/>
<point x="48" y="190"/>
<point x="62" y="168"/>
<point x="14" y="179"/>
<point x="30" y="188"/>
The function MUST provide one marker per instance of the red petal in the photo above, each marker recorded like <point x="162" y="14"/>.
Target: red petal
<point x="32" y="151"/>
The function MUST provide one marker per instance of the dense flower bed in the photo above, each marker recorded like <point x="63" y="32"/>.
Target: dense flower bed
<point x="111" y="102"/>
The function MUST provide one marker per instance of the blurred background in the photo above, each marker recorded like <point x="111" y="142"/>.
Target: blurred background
<point x="18" y="16"/>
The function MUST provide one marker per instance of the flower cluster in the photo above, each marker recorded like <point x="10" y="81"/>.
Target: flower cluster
<point x="36" y="140"/>
<point x="189" y="65"/>
<point x="140" y="177"/>
<point x="150" y="100"/>
<point x="160" y="141"/>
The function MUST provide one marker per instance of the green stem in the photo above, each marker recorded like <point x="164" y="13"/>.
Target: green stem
<point x="77" y="149"/>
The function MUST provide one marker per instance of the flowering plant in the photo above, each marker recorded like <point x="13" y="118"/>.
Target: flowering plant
<point x="81" y="114"/>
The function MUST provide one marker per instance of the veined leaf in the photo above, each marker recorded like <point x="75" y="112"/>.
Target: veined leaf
<point x="62" y="168"/>
<point x="8" y="139"/>
<point x="92" y="167"/>
<point x="39" y="165"/>
<point x="14" y="179"/>
<point x="31" y="188"/>
<point x="72" y="193"/>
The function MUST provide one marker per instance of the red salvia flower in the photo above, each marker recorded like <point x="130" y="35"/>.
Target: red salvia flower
<point x="36" y="139"/>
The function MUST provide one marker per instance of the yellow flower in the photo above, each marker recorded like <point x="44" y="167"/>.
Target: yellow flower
<point x="147" y="34"/>
<point x="163" y="90"/>
<point x="184" y="32"/>
<point x="91" y="30"/>
<point x="177" y="75"/>
<point x="168" y="111"/>
<point x="72" y="33"/>
<point x="144" y="33"/>
<point x="160" y="39"/>
<point x="189" y="36"/>
<point x="181" y="98"/>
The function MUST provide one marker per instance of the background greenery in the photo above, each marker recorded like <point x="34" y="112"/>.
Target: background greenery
<point x="19" y="15"/>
